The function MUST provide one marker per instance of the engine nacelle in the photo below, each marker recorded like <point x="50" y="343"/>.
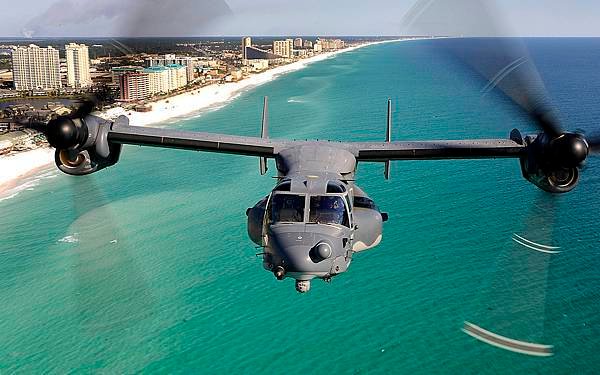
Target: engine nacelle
<point x="83" y="162"/>
<point x="539" y="168"/>
<point x="256" y="216"/>
<point x="95" y="152"/>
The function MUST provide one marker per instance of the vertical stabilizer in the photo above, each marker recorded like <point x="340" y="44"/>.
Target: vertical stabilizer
<point x="388" y="137"/>
<point x="264" y="133"/>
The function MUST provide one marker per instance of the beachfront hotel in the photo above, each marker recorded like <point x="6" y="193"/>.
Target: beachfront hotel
<point x="36" y="68"/>
<point x="318" y="47"/>
<point x="134" y="86"/>
<point x="78" y="65"/>
<point x="171" y="59"/>
<point x="331" y="44"/>
<point x="137" y="83"/>
<point x="283" y="48"/>
<point x="163" y="79"/>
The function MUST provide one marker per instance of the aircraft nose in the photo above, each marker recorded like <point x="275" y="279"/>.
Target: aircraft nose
<point x="301" y="253"/>
<point x="295" y="258"/>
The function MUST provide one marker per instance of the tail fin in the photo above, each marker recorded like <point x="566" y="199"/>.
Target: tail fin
<point x="264" y="133"/>
<point x="388" y="137"/>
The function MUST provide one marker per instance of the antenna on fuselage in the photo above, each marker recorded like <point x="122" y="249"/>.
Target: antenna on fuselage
<point x="264" y="133"/>
<point x="388" y="137"/>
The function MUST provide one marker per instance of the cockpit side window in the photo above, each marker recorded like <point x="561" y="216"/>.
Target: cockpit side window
<point x="328" y="210"/>
<point x="287" y="208"/>
<point x="364" y="202"/>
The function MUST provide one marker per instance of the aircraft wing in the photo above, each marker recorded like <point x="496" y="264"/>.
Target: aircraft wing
<point x="197" y="141"/>
<point x="426" y="150"/>
<point x="364" y="151"/>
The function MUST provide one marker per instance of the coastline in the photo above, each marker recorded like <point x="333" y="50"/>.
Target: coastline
<point x="17" y="168"/>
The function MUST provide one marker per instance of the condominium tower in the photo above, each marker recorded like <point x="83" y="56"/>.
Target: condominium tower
<point x="246" y="42"/>
<point x="283" y="47"/>
<point x="78" y="65"/>
<point x="170" y="59"/>
<point x="36" y="68"/>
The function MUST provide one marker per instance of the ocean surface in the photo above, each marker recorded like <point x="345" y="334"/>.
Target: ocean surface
<point x="146" y="266"/>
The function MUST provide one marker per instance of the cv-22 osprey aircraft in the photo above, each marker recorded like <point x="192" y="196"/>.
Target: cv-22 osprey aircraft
<point x="317" y="218"/>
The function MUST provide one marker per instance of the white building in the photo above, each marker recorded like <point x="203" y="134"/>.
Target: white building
<point x="177" y="76"/>
<point x="332" y="44"/>
<point x="78" y="65"/>
<point x="158" y="80"/>
<point x="282" y="48"/>
<point x="259" y="65"/>
<point x="36" y="68"/>
<point x="169" y="59"/>
<point x="298" y="43"/>
<point x="163" y="79"/>
<point x="317" y="47"/>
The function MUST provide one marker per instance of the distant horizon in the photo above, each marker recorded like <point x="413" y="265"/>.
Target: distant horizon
<point x="214" y="36"/>
<point x="22" y="38"/>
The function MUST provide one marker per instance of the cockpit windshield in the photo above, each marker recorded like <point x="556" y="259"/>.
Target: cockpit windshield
<point x="328" y="210"/>
<point x="287" y="208"/>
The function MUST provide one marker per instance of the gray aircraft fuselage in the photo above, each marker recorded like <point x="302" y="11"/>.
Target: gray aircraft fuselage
<point x="315" y="218"/>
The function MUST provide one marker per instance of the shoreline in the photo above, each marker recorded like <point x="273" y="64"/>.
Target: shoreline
<point x="213" y="95"/>
<point x="16" y="169"/>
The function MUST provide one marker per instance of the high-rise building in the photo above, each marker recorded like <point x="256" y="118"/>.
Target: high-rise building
<point x="317" y="47"/>
<point x="36" y="68"/>
<point x="291" y="46"/>
<point x="246" y="42"/>
<point x="164" y="60"/>
<point x="118" y="71"/>
<point x="158" y="80"/>
<point x="298" y="43"/>
<point x="134" y="86"/>
<point x="177" y="76"/>
<point x="282" y="48"/>
<point x="308" y="44"/>
<point x="78" y="65"/>
<point x="332" y="44"/>
<point x="163" y="79"/>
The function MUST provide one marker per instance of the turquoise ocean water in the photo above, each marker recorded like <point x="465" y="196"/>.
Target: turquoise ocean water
<point x="146" y="266"/>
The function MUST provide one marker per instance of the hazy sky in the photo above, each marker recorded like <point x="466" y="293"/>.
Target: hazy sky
<point x="274" y="17"/>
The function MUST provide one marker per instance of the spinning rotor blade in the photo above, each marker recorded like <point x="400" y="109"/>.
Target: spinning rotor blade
<point x="122" y="20"/>
<point x="111" y="293"/>
<point x="503" y="63"/>
<point x="594" y="143"/>
<point x="515" y="311"/>
<point x="85" y="107"/>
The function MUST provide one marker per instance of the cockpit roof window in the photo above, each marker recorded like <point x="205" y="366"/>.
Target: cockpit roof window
<point x="284" y="186"/>
<point x="333" y="187"/>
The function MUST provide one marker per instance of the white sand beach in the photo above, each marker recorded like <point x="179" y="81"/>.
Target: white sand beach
<point x="14" y="169"/>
